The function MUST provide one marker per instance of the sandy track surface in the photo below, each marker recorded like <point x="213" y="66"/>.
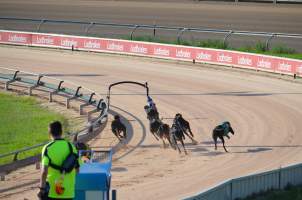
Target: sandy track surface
<point x="265" y="113"/>
<point x="188" y="13"/>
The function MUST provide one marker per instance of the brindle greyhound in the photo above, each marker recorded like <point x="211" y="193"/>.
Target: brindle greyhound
<point x="177" y="134"/>
<point x="161" y="130"/>
<point x="151" y="113"/>
<point x="185" y="126"/>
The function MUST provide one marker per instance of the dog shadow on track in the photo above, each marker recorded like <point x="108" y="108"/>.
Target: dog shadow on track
<point x="209" y="145"/>
<point x="119" y="169"/>
<point x="149" y="146"/>
<point x="208" y="149"/>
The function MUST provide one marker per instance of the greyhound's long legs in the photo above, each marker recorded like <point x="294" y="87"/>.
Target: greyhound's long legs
<point x="193" y="141"/>
<point x="116" y="133"/>
<point x="183" y="145"/>
<point x="178" y="147"/>
<point x="164" y="143"/>
<point x="124" y="134"/>
<point x="215" y="141"/>
<point x="176" y="144"/>
<point x="168" y="138"/>
<point x="185" y="132"/>
<point x="189" y="129"/>
<point x="173" y="142"/>
<point x="155" y="136"/>
<point x="223" y="144"/>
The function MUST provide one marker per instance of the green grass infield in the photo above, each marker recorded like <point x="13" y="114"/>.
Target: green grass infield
<point x="23" y="123"/>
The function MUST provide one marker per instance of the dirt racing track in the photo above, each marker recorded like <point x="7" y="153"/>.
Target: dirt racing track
<point x="265" y="113"/>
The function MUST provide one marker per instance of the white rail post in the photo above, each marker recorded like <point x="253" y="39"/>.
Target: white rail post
<point x="2" y="177"/>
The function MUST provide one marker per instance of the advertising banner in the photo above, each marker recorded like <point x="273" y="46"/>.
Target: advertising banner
<point x="176" y="52"/>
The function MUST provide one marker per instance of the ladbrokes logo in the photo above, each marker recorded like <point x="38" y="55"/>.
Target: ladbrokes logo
<point x="224" y="58"/>
<point x="17" y="38"/>
<point x="244" y="61"/>
<point x="69" y="43"/>
<point x="284" y="67"/>
<point x="183" y="54"/>
<point x="161" y="52"/>
<point x="264" y="64"/>
<point x="204" y="56"/>
<point x="138" y="49"/>
<point x="115" y="47"/>
<point x="45" y="40"/>
<point x="92" y="45"/>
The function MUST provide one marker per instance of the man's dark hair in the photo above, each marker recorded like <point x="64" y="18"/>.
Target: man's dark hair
<point x="55" y="128"/>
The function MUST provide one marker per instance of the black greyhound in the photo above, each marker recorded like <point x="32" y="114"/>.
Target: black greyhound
<point x="185" y="126"/>
<point x="161" y="130"/>
<point x="220" y="131"/>
<point x="177" y="134"/>
<point x="117" y="127"/>
<point x="151" y="113"/>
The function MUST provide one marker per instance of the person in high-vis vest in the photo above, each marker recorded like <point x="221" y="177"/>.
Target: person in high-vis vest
<point x="55" y="185"/>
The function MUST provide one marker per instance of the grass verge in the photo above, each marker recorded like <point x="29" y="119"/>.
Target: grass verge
<point x="23" y="123"/>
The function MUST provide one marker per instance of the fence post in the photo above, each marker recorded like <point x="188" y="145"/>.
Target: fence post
<point x="40" y="24"/>
<point x="132" y="32"/>
<point x="154" y="30"/>
<point x="280" y="170"/>
<point x="2" y="177"/>
<point x="16" y="156"/>
<point x="231" y="188"/>
<point x="90" y="127"/>
<point x="179" y="34"/>
<point x="6" y="86"/>
<point x="268" y="41"/>
<point x="226" y="37"/>
<point x="89" y="27"/>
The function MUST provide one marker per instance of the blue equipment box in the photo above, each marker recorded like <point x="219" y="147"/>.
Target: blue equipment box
<point x="93" y="180"/>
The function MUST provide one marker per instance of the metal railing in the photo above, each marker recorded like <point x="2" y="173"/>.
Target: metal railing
<point x="243" y="187"/>
<point x="131" y="29"/>
<point x="55" y="87"/>
<point x="270" y="1"/>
